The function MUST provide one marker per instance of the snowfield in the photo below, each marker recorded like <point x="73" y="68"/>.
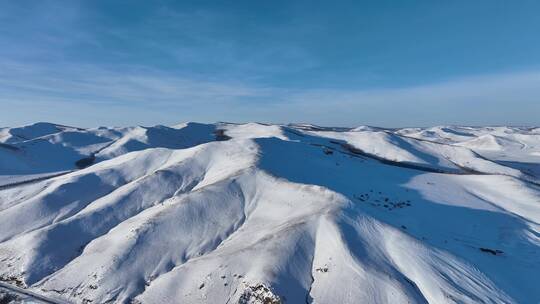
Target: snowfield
<point x="256" y="213"/>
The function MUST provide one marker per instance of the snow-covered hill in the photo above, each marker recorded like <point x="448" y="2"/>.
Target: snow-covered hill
<point x="256" y="213"/>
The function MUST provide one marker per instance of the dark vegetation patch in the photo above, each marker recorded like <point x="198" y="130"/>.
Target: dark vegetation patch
<point x="322" y="269"/>
<point x="492" y="251"/>
<point x="294" y="132"/>
<point x="357" y="151"/>
<point x="13" y="280"/>
<point x="259" y="294"/>
<point x="9" y="298"/>
<point x="220" y="135"/>
<point x="9" y="147"/>
<point x="380" y="200"/>
<point x="85" y="162"/>
<point x="328" y="151"/>
<point x="34" y="180"/>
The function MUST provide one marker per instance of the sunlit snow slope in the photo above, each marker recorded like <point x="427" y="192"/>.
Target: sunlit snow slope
<point x="255" y="213"/>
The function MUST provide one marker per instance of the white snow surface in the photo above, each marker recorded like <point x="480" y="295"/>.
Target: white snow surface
<point x="257" y="213"/>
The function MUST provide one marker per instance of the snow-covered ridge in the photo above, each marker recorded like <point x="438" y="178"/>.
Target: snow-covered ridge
<point x="259" y="213"/>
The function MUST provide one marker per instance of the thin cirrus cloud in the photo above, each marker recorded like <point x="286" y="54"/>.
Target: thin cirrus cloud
<point x="510" y="98"/>
<point x="150" y="97"/>
<point x="71" y="63"/>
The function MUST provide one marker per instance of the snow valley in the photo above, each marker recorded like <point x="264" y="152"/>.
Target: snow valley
<point x="256" y="213"/>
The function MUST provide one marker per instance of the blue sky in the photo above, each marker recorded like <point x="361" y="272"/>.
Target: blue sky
<point x="347" y="63"/>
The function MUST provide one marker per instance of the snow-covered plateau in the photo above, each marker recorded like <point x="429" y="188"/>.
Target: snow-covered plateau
<point x="257" y="213"/>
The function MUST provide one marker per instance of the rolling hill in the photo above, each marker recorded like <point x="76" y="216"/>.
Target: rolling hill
<point x="257" y="213"/>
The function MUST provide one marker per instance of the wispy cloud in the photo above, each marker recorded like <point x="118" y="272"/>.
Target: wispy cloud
<point x="133" y="87"/>
<point x="141" y="91"/>
<point x="509" y="98"/>
<point x="61" y="63"/>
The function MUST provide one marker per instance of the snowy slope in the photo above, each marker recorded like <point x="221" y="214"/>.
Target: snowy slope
<point x="256" y="213"/>
<point x="65" y="148"/>
<point x="13" y="135"/>
<point x="515" y="147"/>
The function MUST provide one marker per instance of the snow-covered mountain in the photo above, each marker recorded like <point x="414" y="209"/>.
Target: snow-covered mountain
<point x="256" y="213"/>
